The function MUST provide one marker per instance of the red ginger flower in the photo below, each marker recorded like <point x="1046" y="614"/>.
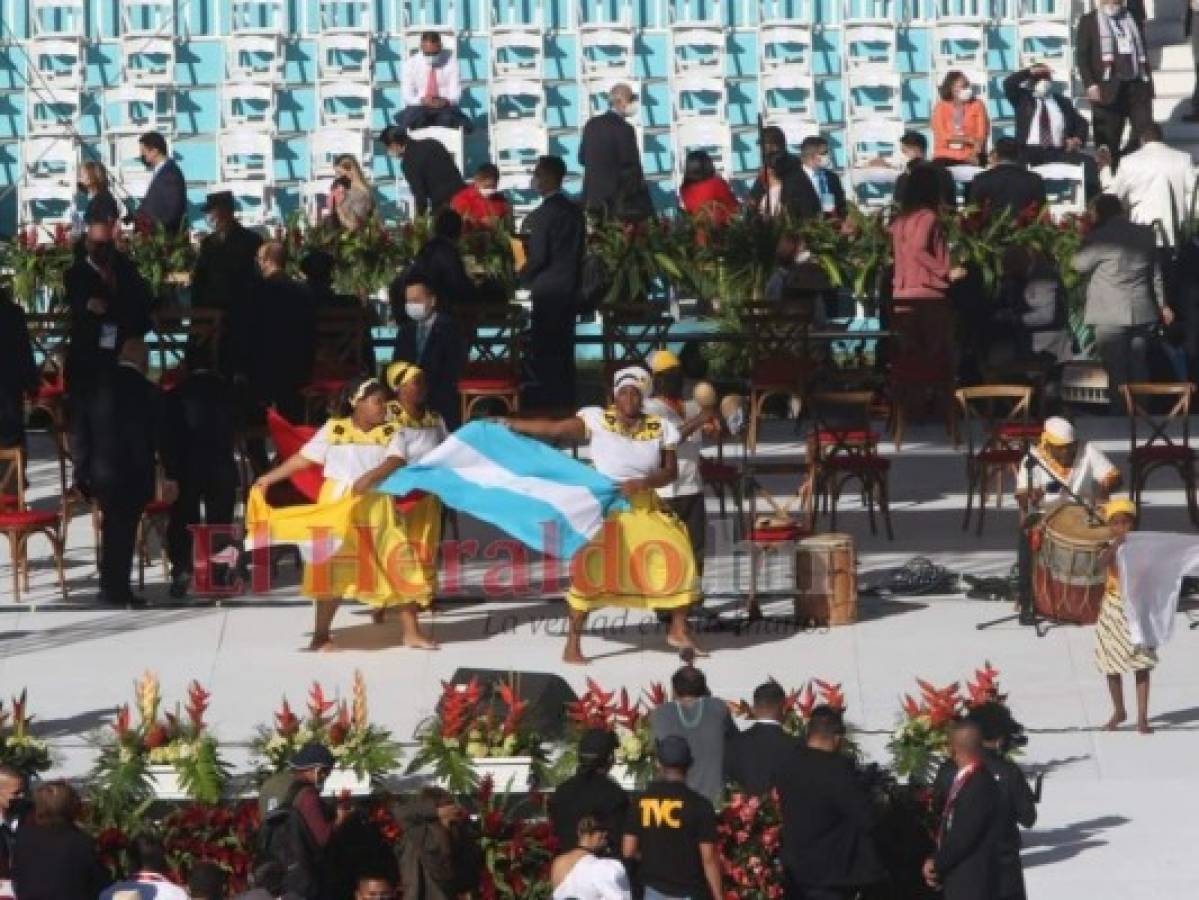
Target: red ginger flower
<point x="197" y="705"/>
<point x="286" y="722"/>
<point x="318" y="706"/>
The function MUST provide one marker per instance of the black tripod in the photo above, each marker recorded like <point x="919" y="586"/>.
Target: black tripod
<point x="1027" y="614"/>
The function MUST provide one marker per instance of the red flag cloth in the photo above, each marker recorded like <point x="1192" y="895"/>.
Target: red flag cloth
<point x="288" y="440"/>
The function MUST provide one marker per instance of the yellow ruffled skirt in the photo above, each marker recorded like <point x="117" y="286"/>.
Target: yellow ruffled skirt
<point x="640" y="559"/>
<point x="357" y="547"/>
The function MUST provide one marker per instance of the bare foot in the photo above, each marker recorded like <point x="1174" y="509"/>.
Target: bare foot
<point x="420" y="642"/>
<point x="685" y="643"/>
<point x="574" y="657"/>
<point x="1143" y="726"/>
<point x="1115" y="721"/>
<point x="323" y="645"/>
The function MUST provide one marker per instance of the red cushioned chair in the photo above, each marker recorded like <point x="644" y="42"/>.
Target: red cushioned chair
<point x="998" y="434"/>
<point x="492" y="369"/>
<point x="630" y="333"/>
<point x="18" y="522"/>
<point x="842" y="448"/>
<point x="1169" y="443"/>
<point x="781" y="359"/>
<point x="49" y="333"/>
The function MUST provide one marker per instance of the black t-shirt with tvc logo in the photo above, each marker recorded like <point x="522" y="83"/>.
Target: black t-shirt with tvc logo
<point x="670" y="821"/>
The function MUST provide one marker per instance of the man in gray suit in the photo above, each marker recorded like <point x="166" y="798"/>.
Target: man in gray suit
<point x="1125" y="293"/>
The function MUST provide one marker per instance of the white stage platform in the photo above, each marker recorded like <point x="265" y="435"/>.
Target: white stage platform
<point x="1117" y="818"/>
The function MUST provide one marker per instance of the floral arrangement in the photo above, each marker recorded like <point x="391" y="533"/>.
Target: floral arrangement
<point x="345" y="728"/>
<point x="225" y="835"/>
<point x="469" y="727"/>
<point x="798" y="706"/>
<point x="612" y="711"/>
<point x="161" y="256"/>
<point x="19" y="749"/>
<point x="921" y="741"/>
<point x="518" y="847"/>
<point x="179" y="740"/>
<point x="35" y="265"/>
<point x="748" y="835"/>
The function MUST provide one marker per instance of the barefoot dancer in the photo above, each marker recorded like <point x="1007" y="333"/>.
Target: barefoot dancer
<point x="656" y="568"/>
<point x="1115" y="653"/>
<point x="358" y="451"/>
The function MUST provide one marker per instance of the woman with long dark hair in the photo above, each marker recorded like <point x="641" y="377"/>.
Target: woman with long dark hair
<point x="703" y="193"/>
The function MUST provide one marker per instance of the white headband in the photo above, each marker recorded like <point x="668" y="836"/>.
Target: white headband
<point x="634" y="375"/>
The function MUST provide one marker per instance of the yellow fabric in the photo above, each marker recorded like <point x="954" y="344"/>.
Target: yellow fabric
<point x="344" y="431"/>
<point x="663" y="361"/>
<point x="1119" y="506"/>
<point x="653" y="565"/>
<point x="399" y="418"/>
<point x="382" y="558"/>
<point x="400" y="373"/>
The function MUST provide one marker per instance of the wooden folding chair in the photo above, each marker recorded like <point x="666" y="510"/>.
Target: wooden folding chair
<point x="630" y="334"/>
<point x="50" y="333"/>
<point x="18" y="522"/>
<point x="781" y="359"/>
<point x="998" y="433"/>
<point x="492" y="370"/>
<point x="843" y="447"/>
<point x="340" y="337"/>
<point x="788" y="522"/>
<point x="1169" y="442"/>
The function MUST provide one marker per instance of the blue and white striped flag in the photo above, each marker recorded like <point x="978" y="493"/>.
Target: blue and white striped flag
<point x="525" y="488"/>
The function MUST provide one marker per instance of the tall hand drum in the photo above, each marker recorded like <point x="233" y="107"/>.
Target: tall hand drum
<point x="1068" y="582"/>
<point x="826" y="575"/>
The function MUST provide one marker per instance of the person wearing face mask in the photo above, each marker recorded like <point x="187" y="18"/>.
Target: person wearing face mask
<point x="704" y="194"/>
<point x="1049" y="128"/>
<point x="612" y="176"/>
<point x="431" y="88"/>
<point x="429" y="168"/>
<point x="481" y="204"/>
<point x="777" y="186"/>
<point x="557" y="235"/>
<point x="225" y="276"/>
<point x="165" y="203"/>
<point x="1113" y="64"/>
<point x="960" y="123"/>
<point x="109" y="303"/>
<point x="821" y="193"/>
<point x="93" y="183"/>
<point x="432" y="340"/>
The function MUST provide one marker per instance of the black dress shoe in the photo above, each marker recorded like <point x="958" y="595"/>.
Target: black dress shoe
<point x="179" y="585"/>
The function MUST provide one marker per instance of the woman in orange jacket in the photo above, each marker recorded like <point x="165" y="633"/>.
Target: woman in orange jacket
<point x="960" y="122"/>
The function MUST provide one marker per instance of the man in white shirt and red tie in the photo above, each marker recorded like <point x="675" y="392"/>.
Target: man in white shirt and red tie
<point x="431" y="88"/>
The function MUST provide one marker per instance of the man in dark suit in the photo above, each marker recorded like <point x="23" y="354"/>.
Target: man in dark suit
<point x="827" y="851"/>
<point x="914" y="147"/>
<point x="116" y="433"/>
<point x="165" y="202"/>
<point x="226" y="275"/>
<point x="317" y="267"/>
<point x="199" y="415"/>
<point x="611" y="161"/>
<point x="428" y="167"/>
<point x="1049" y="128"/>
<point x="965" y="865"/>
<point x="755" y="757"/>
<point x="557" y="234"/>
<point x="277" y="368"/>
<point x="109" y="303"/>
<point x="14" y="805"/>
<point x="18" y="371"/>
<point x="431" y="339"/>
<point x="820" y="192"/>
<point x="1114" y="67"/>
<point x="1007" y="187"/>
<point x="440" y="263"/>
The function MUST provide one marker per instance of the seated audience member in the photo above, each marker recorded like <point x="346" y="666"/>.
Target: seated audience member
<point x="960" y="123"/>
<point x="481" y="204"/>
<point x="590" y="792"/>
<point x="1007" y="187"/>
<point x="820" y="191"/>
<point x="704" y="194"/>
<point x="339" y="189"/>
<point x="755" y="758"/>
<point x="147" y="876"/>
<point x="1049" y="128"/>
<point x="581" y="872"/>
<point x="54" y="859"/>
<point x="431" y="339"/>
<point x="431" y="88"/>
<point x="913" y="146"/>
<point x="357" y="206"/>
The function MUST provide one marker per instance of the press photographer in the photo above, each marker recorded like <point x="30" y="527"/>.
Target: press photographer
<point x="1017" y="806"/>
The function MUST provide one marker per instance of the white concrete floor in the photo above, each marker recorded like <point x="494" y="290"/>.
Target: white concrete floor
<point x="1117" y="818"/>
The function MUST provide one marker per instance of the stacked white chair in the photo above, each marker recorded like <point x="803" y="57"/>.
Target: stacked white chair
<point x="1064" y="187"/>
<point x="254" y="47"/>
<point x="49" y="167"/>
<point x="606" y="43"/>
<point x="874" y="160"/>
<point x="148" y="42"/>
<point x="1049" y="42"/>
<point x="699" y="103"/>
<point x="418" y="17"/>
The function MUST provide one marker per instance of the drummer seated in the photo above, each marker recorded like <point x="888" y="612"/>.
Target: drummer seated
<point x="1061" y="466"/>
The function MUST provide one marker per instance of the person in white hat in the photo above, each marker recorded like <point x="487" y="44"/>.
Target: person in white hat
<point x="1057" y="469"/>
<point x="654" y="566"/>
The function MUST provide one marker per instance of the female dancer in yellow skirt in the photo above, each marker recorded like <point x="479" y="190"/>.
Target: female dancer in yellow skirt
<point x="1115" y="653"/>
<point x="372" y="552"/>
<point x="653" y="567"/>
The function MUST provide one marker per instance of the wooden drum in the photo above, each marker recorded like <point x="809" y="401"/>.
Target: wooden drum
<point x="826" y="575"/>
<point x="1068" y="582"/>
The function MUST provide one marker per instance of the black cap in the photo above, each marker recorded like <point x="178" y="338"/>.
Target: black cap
<point x="312" y="756"/>
<point x="674" y="752"/>
<point x="219" y="200"/>
<point x="596" y="744"/>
